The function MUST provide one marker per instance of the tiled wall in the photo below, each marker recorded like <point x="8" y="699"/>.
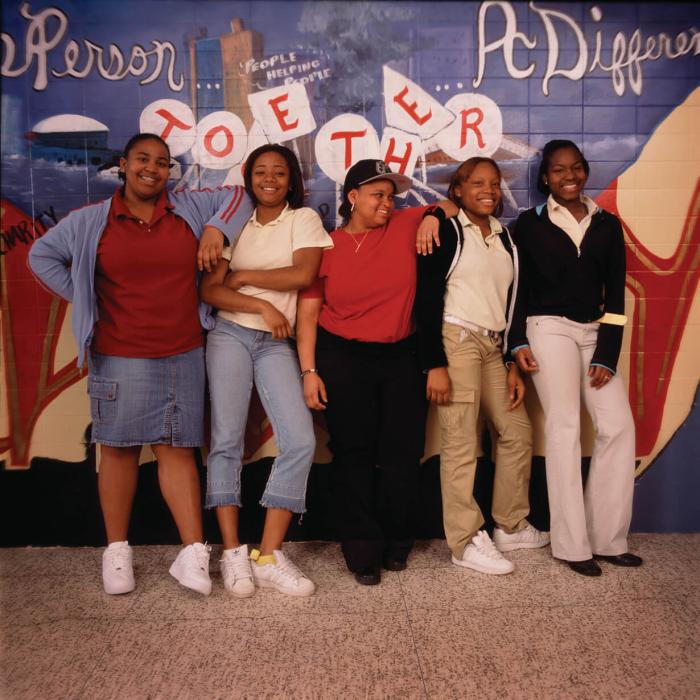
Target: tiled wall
<point x="638" y="125"/>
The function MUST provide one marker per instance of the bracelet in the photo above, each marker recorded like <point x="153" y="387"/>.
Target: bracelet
<point x="313" y="370"/>
<point x="435" y="211"/>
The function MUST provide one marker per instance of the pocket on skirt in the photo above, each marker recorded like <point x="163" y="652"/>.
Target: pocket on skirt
<point x="103" y="399"/>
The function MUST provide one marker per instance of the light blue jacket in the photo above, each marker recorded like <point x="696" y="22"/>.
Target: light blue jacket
<point x="64" y="258"/>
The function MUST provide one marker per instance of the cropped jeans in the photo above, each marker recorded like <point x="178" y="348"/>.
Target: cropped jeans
<point x="236" y="357"/>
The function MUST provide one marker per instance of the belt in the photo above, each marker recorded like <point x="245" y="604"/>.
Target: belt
<point x="472" y="327"/>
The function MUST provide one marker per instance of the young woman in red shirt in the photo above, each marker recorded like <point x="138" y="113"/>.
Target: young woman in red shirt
<point x="355" y="336"/>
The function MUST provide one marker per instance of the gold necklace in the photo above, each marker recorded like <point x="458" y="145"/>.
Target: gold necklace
<point x="354" y="240"/>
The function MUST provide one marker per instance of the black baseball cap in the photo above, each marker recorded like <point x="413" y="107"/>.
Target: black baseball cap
<point x="368" y="170"/>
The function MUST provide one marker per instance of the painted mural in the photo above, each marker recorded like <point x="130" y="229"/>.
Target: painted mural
<point x="422" y="85"/>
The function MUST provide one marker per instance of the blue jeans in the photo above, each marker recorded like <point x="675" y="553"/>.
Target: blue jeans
<point x="237" y="357"/>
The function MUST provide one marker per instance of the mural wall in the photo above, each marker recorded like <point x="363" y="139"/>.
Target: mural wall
<point x="422" y="85"/>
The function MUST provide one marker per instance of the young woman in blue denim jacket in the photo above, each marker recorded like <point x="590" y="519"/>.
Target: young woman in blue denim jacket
<point x="128" y="265"/>
<point x="255" y="290"/>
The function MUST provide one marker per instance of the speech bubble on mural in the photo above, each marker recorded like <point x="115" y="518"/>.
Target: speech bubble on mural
<point x="410" y="108"/>
<point x="284" y="112"/>
<point x="173" y="121"/>
<point x="221" y="141"/>
<point x="342" y="141"/>
<point x="477" y="129"/>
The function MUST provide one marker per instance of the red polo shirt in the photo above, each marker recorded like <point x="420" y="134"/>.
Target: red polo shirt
<point x="368" y="281"/>
<point x="145" y="280"/>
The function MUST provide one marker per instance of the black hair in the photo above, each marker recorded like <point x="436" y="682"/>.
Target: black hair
<point x="136" y="139"/>
<point x="550" y="148"/>
<point x="345" y="209"/>
<point x="463" y="173"/>
<point x="295" y="196"/>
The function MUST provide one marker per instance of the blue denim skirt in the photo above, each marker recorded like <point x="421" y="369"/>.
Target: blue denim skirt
<point x="147" y="401"/>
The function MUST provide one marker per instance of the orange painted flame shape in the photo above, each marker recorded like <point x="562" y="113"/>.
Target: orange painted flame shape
<point x="31" y="322"/>
<point x="664" y="289"/>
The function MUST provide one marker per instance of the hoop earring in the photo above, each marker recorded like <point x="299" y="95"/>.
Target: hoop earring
<point x="352" y="207"/>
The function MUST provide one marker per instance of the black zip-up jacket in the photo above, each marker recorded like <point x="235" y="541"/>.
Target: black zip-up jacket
<point x="429" y="307"/>
<point x="581" y="284"/>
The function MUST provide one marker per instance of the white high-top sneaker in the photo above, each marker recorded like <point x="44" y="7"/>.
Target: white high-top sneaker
<point x="282" y="575"/>
<point x="481" y="555"/>
<point x="527" y="538"/>
<point x="236" y="572"/>
<point x="191" y="568"/>
<point x="118" y="569"/>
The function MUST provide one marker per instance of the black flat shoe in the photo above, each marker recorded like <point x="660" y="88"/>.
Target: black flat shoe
<point x="368" y="576"/>
<point x="586" y="568"/>
<point x="626" y="559"/>
<point x="394" y="564"/>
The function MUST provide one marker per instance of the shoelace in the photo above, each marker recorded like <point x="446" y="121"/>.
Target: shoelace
<point x="288" y="569"/>
<point x="119" y="558"/>
<point x="238" y="566"/>
<point x="201" y="555"/>
<point x="529" y="532"/>
<point x="485" y="546"/>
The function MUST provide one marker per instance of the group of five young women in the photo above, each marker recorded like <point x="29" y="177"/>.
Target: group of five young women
<point x="376" y="335"/>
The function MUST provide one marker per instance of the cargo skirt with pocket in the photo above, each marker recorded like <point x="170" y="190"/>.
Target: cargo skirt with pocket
<point x="147" y="401"/>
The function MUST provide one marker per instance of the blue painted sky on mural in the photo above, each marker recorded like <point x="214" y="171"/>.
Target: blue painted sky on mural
<point x="433" y="44"/>
<point x="448" y="29"/>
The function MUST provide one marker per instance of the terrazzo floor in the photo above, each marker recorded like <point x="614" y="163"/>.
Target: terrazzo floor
<point x="432" y="631"/>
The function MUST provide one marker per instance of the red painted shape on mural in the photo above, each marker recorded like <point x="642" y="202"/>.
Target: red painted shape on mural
<point x="664" y="289"/>
<point x="31" y="322"/>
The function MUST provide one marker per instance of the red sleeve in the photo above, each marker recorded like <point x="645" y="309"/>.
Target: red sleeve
<point x="315" y="291"/>
<point x="410" y="217"/>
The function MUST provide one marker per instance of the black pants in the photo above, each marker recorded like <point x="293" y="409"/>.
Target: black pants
<point x="376" y="420"/>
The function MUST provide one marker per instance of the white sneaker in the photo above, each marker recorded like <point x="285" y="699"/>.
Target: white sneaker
<point x="118" y="569"/>
<point x="191" y="568"/>
<point x="527" y="538"/>
<point x="481" y="555"/>
<point x="236" y="572"/>
<point x="283" y="575"/>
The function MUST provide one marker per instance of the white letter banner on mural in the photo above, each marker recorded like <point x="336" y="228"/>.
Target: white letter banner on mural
<point x="342" y="141"/>
<point x="256" y="138"/>
<point x="221" y="141"/>
<point x="410" y="108"/>
<point x="173" y="121"/>
<point x="284" y="112"/>
<point x="477" y="129"/>
<point x="400" y="150"/>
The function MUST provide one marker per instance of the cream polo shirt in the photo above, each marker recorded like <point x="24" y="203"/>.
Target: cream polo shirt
<point x="560" y="216"/>
<point x="269" y="246"/>
<point x="477" y="289"/>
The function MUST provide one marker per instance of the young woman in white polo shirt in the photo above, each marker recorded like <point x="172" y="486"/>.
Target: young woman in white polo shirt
<point x="463" y="308"/>
<point x="255" y="290"/>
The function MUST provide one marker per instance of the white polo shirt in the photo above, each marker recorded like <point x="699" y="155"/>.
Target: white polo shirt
<point x="477" y="289"/>
<point x="560" y="216"/>
<point x="269" y="246"/>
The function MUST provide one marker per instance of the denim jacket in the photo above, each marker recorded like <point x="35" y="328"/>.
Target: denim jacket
<point x="64" y="258"/>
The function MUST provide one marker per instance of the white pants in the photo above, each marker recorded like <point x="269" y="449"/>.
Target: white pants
<point x="597" y="521"/>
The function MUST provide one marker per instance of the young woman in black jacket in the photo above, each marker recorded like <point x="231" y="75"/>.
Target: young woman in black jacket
<point x="464" y="304"/>
<point x="567" y="332"/>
